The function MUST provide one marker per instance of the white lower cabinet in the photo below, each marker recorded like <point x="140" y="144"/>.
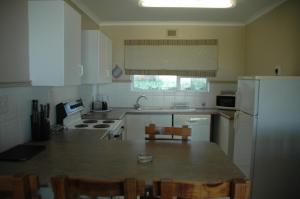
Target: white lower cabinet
<point x="135" y="124"/>
<point x="199" y="124"/>
<point x="224" y="134"/>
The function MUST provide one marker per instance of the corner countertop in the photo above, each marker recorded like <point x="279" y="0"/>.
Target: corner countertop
<point x="119" y="113"/>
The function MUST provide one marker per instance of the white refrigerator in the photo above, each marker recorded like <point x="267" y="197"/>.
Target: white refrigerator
<point x="267" y="135"/>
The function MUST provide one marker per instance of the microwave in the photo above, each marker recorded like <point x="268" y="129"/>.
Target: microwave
<point x="225" y="102"/>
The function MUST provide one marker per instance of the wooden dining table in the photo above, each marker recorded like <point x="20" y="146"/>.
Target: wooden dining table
<point x="84" y="154"/>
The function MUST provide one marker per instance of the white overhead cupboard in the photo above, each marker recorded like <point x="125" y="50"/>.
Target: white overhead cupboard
<point x="54" y="44"/>
<point x="96" y="57"/>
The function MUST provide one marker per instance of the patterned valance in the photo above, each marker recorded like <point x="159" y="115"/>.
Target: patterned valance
<point x="195" y="58"/>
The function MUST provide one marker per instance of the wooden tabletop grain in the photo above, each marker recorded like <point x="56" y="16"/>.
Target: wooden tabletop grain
<point x="85" y="154"/>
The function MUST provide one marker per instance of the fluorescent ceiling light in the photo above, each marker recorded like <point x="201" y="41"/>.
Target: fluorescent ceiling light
<point x="188" y="3"/>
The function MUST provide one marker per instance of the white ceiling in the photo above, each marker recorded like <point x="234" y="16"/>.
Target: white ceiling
<point x="128" y="11"/>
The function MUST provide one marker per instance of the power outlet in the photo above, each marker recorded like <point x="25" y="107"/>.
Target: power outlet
<point x="3" y="104"/>
<point x="277" y="70"/>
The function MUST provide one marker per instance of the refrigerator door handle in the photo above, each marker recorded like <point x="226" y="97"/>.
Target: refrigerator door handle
<point x="235" y="122"/>
<point x="238" y="97"/>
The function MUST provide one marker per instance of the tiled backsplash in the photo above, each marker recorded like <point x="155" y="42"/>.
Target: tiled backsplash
<point x="121" y="95"/>
<point x="15" y="103"/>
<point x="15" y="108"/>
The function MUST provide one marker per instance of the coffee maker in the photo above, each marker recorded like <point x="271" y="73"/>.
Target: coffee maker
<point x="100" y="103"/>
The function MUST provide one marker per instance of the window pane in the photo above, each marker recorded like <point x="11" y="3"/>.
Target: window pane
<point x="154" y="82"/>
<point x="193" y="84"/>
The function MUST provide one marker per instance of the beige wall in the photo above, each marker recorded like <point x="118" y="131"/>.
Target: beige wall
<point x="86" y="22"/>
<point x="274" y="39"/>
<point x="231" y="43"/>
<point x="14" y="60"/>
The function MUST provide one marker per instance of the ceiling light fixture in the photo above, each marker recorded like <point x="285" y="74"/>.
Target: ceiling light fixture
<point x="188" y="3"/>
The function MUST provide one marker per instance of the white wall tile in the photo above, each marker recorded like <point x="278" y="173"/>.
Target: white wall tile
<point x="15" y="127"/>
<point x="121" y="95"/>
<point x="11" y="134"/>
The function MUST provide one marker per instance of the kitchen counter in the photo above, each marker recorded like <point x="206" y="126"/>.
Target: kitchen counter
<point x="226" y="113"/>
<point x="114" y="114"/>
<point x="119" y="113"/>
<point x="84" y="154"/>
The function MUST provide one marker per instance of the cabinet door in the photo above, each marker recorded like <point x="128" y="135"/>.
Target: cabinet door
<point x="109" y="60"/>
<point x="54" y="43"/>
<point x="135" y="129"/>
<point x="101" y="56"/>
<point x="46" y="42"/>
<point x="105" y="59"/>
<point x="90" y="56"/>
<point x="135" y="124"/>
<point x="224" y="135"/>
<point x="200" y="125"/>
<point x="72" y="37"/>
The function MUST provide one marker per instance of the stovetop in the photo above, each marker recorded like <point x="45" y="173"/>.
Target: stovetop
<point x="73" y="119"/>
<point x="92" y="124"/>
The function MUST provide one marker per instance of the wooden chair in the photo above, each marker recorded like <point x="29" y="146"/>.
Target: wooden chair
<point x="152" y="131"/>
<point x="167" y="189"/>
<point x="69" y="187"/>
<point x="19" y="187"/>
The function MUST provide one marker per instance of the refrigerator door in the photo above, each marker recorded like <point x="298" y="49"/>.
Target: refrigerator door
<point x="244" y="129"/>
<point x="247" y="96"/>
<point x="277" y="150"/>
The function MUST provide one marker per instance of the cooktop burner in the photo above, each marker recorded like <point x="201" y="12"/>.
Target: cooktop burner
<point x="90" y="121"/>
<point x="108" y="121"/>
<point x="81" y="125"/>
<point x="101" y="126"/>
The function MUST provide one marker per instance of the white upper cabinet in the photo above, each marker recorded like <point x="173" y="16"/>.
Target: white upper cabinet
<point x="96" y="57"/>
<point x="54" y="44"/>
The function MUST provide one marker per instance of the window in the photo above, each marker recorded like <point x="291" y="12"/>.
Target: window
<point x="168" y="83"/>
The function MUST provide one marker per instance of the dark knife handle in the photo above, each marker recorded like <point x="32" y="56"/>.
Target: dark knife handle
<point x="47" y="110"/>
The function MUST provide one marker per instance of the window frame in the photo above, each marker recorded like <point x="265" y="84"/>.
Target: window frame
<point x="177" y="89"/>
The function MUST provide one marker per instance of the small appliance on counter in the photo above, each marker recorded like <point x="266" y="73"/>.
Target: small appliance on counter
<point x="226" y="101"/>
<point x="100" y="104"/>
<point x="40" y="124"/>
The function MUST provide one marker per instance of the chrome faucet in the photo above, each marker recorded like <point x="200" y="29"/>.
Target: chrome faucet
<point x="137" y="104"/>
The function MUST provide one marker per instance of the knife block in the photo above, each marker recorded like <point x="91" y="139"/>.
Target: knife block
<point x="40" y="128"/>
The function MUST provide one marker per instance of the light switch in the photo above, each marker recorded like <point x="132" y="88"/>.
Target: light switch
<point x="277" y="70"/>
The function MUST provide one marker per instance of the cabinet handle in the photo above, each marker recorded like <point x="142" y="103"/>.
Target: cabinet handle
<point x="194" y="120"/>
<point x="235" y="125"/>
<point x="81" y="70"/>
<point x="238" y="96"/>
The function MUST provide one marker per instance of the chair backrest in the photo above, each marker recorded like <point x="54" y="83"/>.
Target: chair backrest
<point x="19" y="187"/>
<point x="69" y="187"/>
<point x="167" y="189"/>
<point x="153" y="131"/>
